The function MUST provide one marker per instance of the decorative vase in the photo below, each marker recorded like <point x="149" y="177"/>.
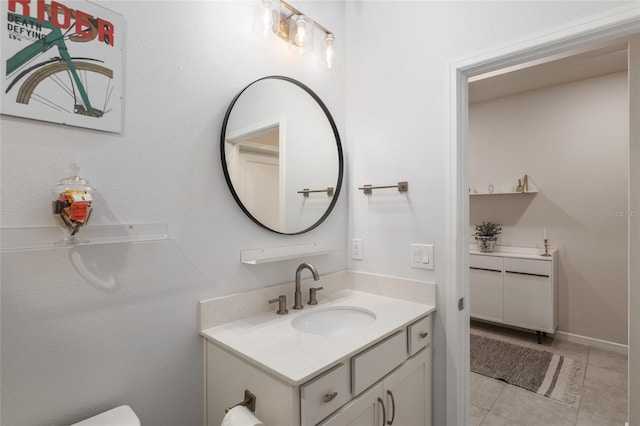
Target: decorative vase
<point x="486" y="244"/>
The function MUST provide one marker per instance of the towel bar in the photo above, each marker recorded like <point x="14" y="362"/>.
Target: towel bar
<point x="307" y="191"/>
<point x="402" y="187"/>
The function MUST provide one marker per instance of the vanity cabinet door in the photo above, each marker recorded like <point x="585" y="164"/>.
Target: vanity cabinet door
<point x="407" y="395"/>
<point x="403" y="398"/>
<point x="366" y="410"/>
<point x="485" y="287"/>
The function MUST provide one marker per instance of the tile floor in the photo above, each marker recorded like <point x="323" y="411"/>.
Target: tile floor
<point x="602" y="402"/>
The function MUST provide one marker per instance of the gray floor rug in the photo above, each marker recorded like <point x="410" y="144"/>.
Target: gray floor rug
<point x="551" y="375"/>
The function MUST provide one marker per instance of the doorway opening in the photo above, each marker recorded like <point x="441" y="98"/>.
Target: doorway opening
<point x="253" y="161"/>
<point x="561" y="124"/>
<point x="623" y="23"/>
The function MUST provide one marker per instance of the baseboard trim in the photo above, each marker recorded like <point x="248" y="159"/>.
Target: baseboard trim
<point x="590" y="341"/>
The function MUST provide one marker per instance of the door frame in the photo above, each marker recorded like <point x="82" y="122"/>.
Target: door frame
<point x="607" y="26"/>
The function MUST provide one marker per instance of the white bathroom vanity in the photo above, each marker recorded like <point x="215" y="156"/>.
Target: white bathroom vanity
<point x="375" y="372"/>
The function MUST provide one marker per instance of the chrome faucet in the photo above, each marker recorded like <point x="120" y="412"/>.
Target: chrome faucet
<point x="298" y="295"/>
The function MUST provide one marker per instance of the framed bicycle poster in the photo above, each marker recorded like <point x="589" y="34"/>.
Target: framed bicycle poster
<point x="62" y="63"/>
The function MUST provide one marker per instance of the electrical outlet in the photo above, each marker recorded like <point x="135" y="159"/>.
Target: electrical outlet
<point x="357" y="250"/>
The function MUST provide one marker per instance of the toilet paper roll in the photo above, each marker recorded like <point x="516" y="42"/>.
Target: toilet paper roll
<point x="240" y="416"/>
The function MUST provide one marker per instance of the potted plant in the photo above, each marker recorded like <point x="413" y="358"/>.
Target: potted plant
<point x="486" y="235"/>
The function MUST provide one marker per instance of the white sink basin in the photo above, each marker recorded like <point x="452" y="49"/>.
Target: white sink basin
<point x="334" y="321"/>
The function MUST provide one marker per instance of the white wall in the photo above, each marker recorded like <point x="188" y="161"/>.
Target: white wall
<point x="572" y="140"/>
<point x="397" y="106"/>
<point x="71" y="348"/>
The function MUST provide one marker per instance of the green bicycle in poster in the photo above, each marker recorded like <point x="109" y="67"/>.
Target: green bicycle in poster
<point x="67" y="85"/>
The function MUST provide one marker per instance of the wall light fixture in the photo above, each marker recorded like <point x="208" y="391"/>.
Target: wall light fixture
<point x="280" y="18"/>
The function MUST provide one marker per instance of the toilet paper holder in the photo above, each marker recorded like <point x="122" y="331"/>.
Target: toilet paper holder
<point x="249" y="402"/>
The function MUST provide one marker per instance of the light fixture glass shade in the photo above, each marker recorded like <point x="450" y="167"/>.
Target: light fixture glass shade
<point x="300" y="34"/>
<point x="268" y="19"/>
<point x="328" y="57"/>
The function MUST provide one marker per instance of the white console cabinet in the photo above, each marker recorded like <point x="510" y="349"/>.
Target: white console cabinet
<point x="387" y="382"/>
<point x="514" y="288"/>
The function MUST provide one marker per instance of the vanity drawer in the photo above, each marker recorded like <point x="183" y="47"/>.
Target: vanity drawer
<point x="324" y="394"/>
<point x="528" y="267"/>
<point x="370" y="365"/>
<point x="419" y="334"/>
<point x="491" y="263"/>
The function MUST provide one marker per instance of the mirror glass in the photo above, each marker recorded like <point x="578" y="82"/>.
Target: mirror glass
<point x="281" y="155"/>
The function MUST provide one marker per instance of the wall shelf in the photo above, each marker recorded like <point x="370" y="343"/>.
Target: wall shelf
<point x="503" y="193"/>
<point x="52" y="237"/>
<point x="276" y="254"/>
<point x="503" y="189"/>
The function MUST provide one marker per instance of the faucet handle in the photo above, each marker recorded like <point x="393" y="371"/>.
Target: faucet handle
<point x="282" y="304"/>
<point x="312" y="295"/>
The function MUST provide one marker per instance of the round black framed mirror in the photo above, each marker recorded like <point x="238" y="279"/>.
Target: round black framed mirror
<point x="281" y="155"/>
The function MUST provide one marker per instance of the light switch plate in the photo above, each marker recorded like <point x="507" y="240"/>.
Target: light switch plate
<point x="421" y="256"/>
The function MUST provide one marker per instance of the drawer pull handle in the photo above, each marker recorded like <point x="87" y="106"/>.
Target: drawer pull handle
<point x="424" y="334"/>
<point x="393" y="407"/>
<point x="330" y="396"/>
<point x="484" y="269"/>
<point x="384" y="412"/>
<point x="527" y="273"/>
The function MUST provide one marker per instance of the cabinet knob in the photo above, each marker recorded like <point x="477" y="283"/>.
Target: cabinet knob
<point x="330" y="396"/>
<point x="424" y="334"/>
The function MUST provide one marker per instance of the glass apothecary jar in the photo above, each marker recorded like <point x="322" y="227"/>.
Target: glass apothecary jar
<point x="72" y="204"/>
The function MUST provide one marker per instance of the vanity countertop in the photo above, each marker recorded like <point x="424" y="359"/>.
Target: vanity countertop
<point x="270" y="341"/>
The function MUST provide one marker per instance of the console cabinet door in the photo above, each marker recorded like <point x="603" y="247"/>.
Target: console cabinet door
<point x="486" y="288"/>
<point x="528" y="301"/>
<point x="529" y="294"/>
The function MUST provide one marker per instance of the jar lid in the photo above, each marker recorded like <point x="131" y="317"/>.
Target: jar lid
<point x="74" y="180"/>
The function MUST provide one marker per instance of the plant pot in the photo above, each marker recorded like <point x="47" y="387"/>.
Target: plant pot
<point x="486" y="244"/>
